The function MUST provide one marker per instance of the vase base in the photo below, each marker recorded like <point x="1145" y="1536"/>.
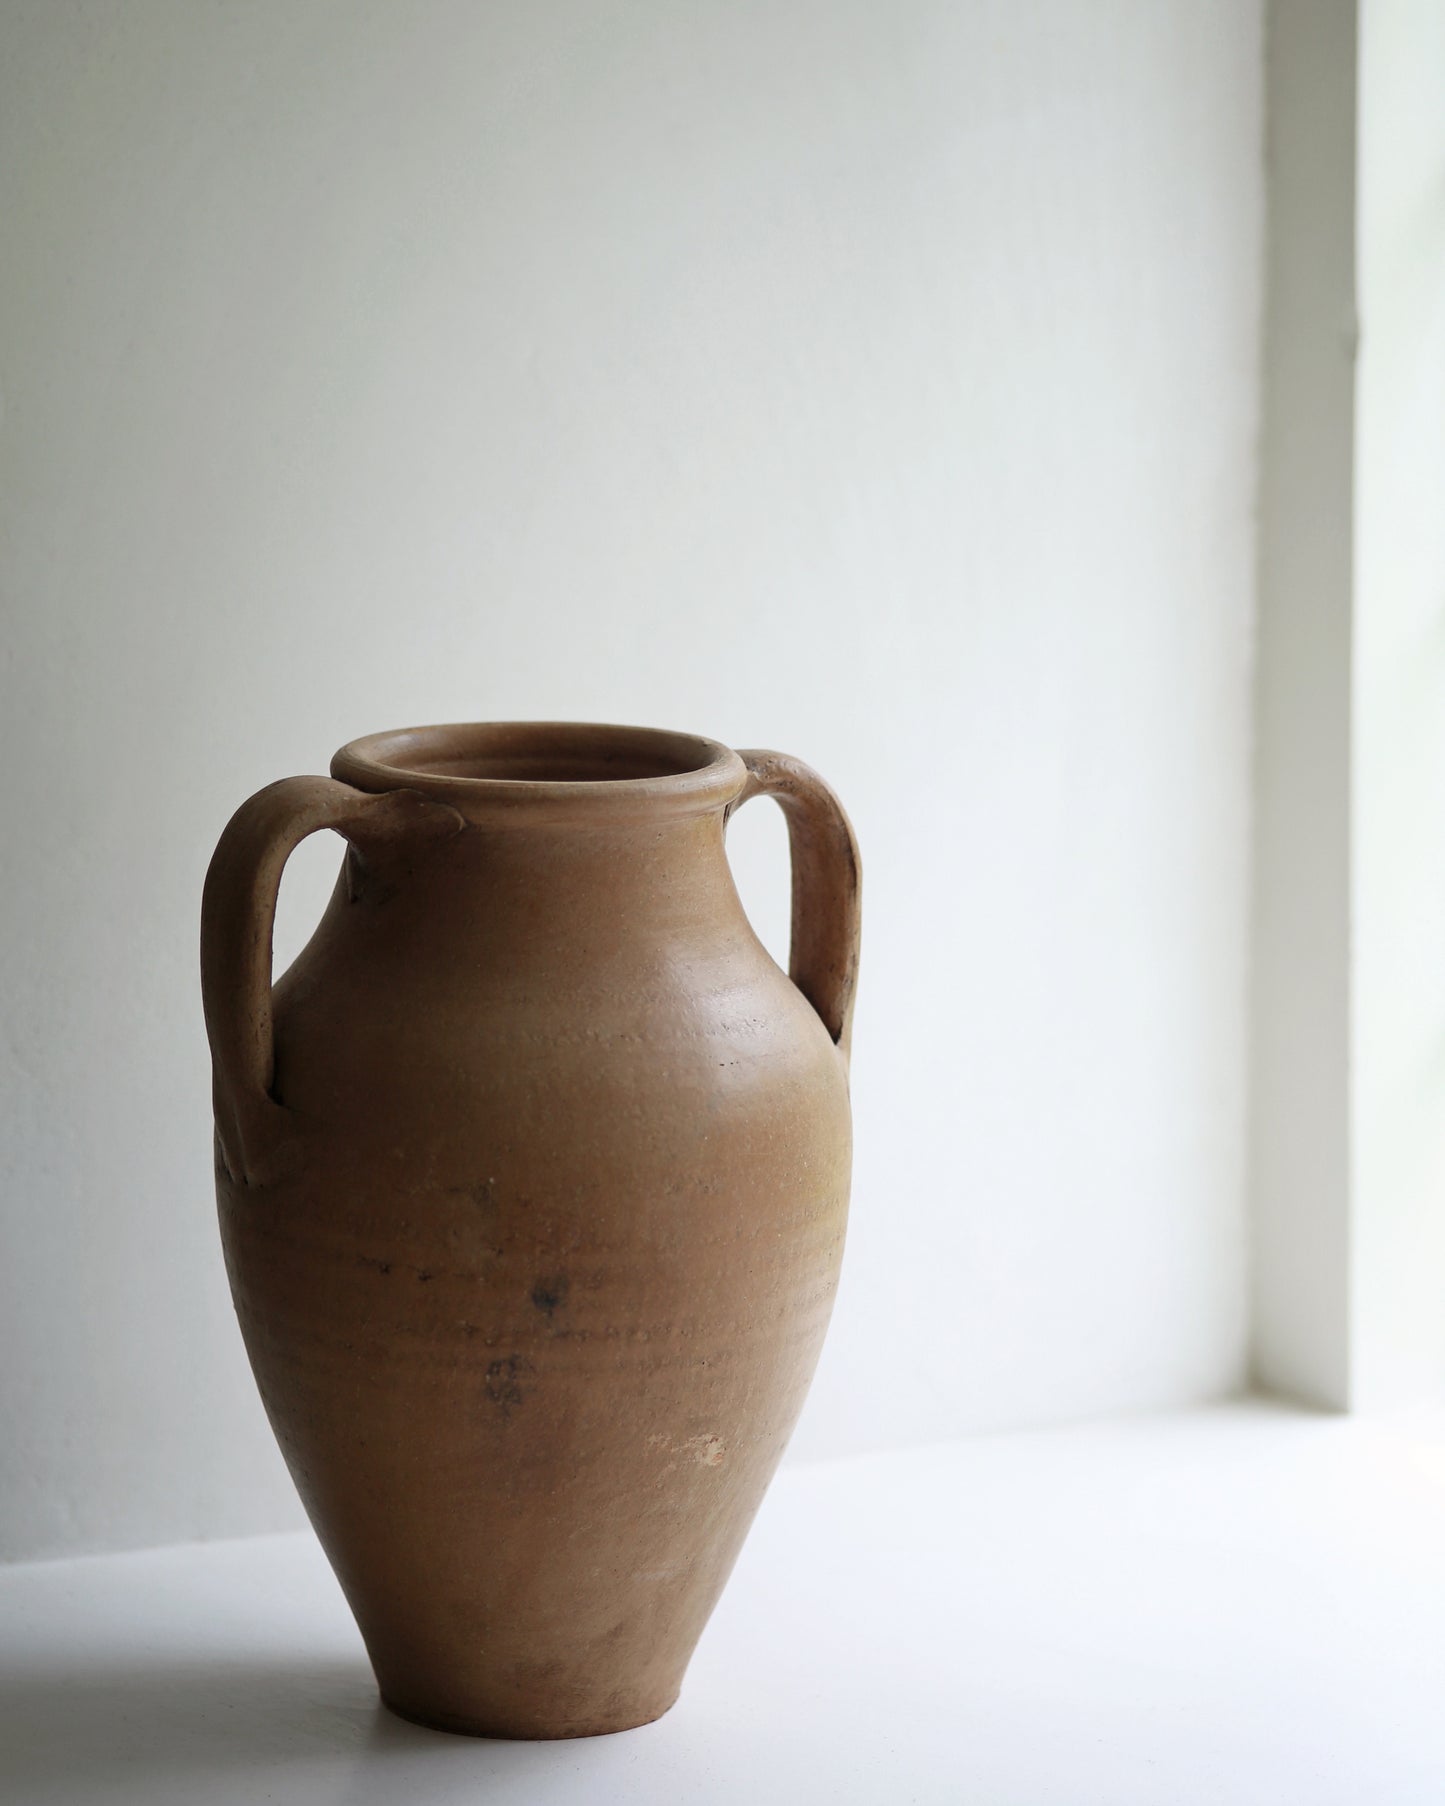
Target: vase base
<point x="523" y="1730"/>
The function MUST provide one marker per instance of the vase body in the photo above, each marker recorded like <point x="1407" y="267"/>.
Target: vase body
<point x="533" y="1177"/>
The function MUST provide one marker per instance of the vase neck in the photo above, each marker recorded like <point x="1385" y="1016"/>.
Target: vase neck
<point x="543" y="886"/>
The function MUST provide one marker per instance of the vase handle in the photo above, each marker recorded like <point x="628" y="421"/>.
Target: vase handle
<point x="827" y="885"/>
<point x="238" y="914"/>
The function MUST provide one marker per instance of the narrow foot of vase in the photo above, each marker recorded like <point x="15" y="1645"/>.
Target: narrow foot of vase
<point x="528" y="1730"/>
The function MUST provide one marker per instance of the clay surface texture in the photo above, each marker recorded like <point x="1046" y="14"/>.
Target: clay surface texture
<point x="533" y="1177"/>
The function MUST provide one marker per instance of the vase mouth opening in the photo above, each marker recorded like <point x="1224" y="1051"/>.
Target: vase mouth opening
<point x="560" y="769"/>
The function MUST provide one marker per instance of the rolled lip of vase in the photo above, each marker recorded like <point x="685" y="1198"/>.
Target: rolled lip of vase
<point x="560" y="770"/>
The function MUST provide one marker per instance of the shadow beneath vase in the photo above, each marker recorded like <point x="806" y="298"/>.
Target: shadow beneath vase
<point x="153" y="1731"/>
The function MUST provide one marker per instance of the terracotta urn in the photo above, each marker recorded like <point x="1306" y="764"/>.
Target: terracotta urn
<point x="533" y="1174"/>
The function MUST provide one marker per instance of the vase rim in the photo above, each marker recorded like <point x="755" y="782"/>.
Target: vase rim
<point x="560" y="770"/>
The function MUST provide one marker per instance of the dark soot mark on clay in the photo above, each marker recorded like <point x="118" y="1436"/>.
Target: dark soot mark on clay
<point x="503" y="1380"/>
<point x="481" y="1194"/>
<point x="549" y="1293"/>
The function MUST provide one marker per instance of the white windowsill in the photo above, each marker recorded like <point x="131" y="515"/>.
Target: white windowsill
<point x="1238" y="1605"/>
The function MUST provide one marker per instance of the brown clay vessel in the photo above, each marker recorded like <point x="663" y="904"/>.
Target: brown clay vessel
<point x="533" y="1174"/>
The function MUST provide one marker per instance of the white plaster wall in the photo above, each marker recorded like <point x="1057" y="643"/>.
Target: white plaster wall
<point x="877" y="382"/>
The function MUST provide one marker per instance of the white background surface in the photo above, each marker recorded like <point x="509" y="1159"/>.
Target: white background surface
<point x="876" y="382"/>
<point x="1234" y="1608"/>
